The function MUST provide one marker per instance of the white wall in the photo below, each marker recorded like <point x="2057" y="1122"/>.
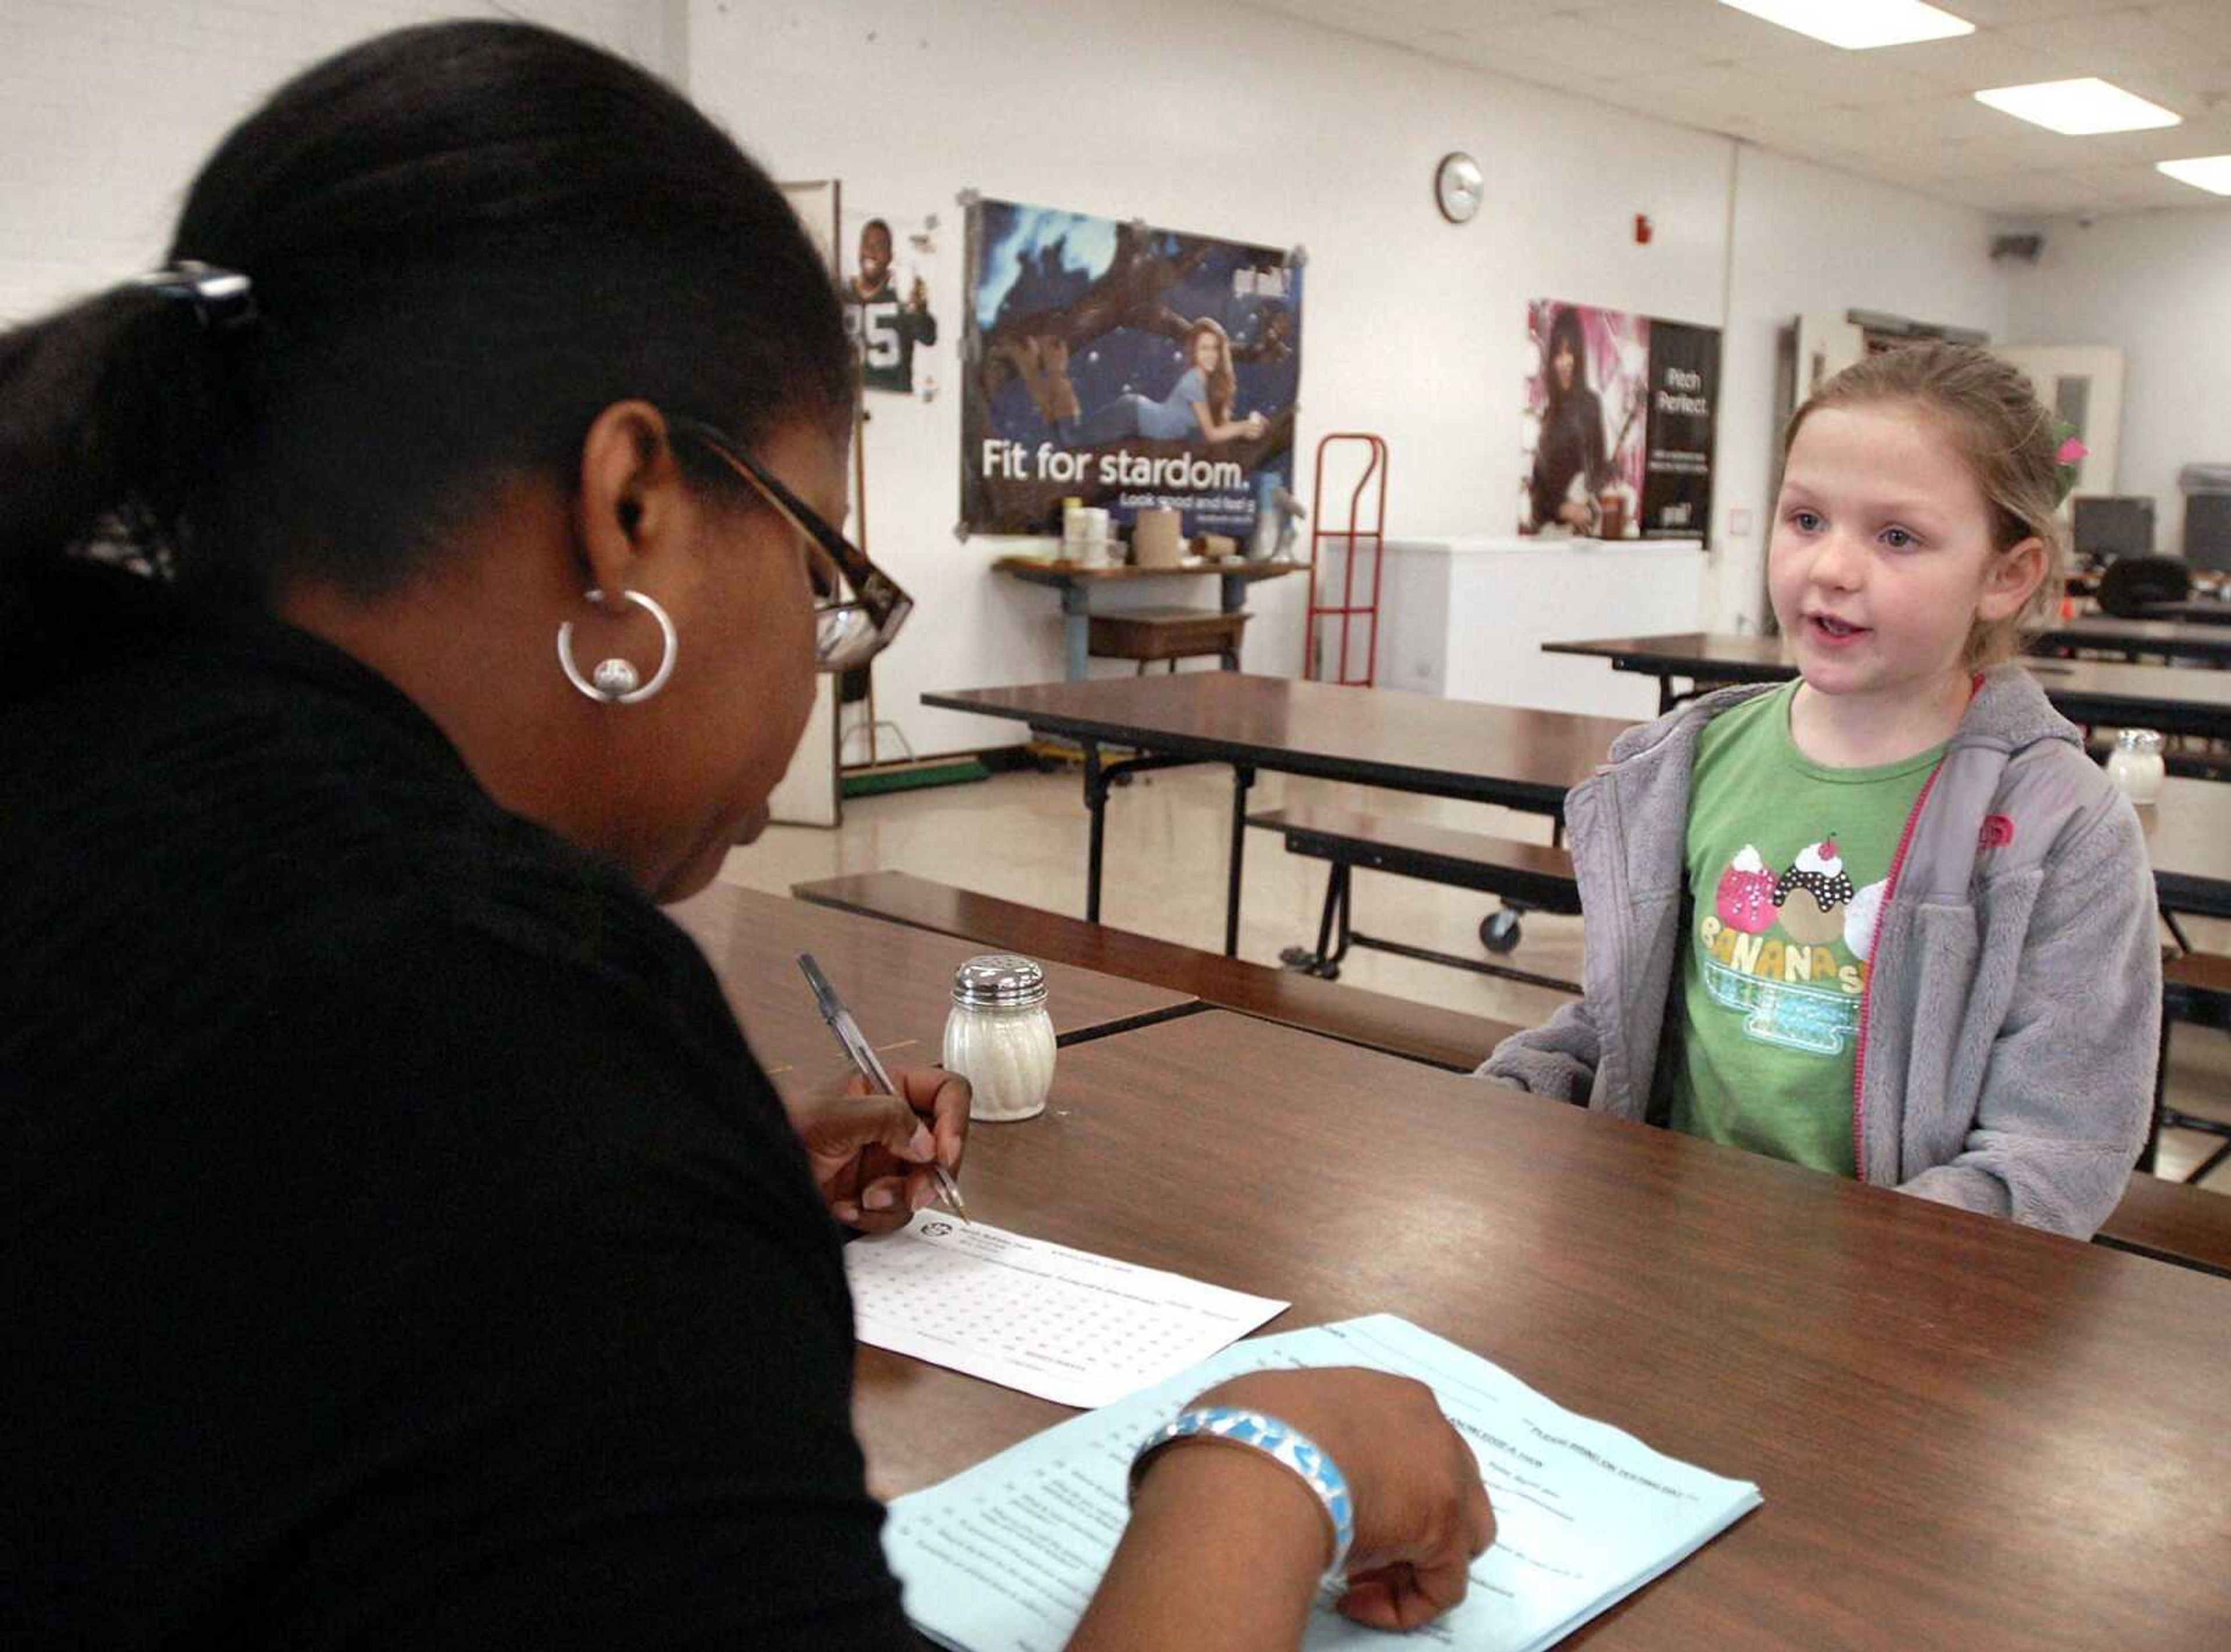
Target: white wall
<point x="1239" y="123"/>
<point x="2158" y="285"/>
<point x="107" y="110"/>
<point x="1807" y="239"/>
<point x="1220" y="120"/>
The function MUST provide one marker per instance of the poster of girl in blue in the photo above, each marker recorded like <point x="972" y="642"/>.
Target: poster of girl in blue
<point x="1123" y="366"/>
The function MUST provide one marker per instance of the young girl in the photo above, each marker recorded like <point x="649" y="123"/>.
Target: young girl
<point x="1889" y="920"/>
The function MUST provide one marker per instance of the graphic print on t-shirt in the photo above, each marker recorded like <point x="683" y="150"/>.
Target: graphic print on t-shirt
<point x="1788" y="950"/>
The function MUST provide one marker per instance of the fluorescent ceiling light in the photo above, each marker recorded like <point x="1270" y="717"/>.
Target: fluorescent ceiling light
<point x="2080" y="108"/>
<point x="1858" y="24"/>
<point x="2210" y="172"/>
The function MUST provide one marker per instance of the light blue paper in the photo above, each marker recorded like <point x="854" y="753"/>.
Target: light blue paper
<point x="1003" y="1557"/>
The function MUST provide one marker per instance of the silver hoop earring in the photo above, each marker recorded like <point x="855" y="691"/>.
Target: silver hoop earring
<point x="615" y="682"/>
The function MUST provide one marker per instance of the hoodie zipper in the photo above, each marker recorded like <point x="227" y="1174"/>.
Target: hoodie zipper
<point x="1868" y="995"/>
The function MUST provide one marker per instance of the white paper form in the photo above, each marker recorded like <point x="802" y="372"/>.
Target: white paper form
<point x="1065" y="1325"/>
<point x="1006" y="1554"/>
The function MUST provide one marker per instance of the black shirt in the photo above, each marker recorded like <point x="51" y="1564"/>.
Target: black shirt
<point x="402" y="1248"/>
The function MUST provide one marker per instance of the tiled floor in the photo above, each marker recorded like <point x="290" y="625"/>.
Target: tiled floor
<point x="1022" y="835"/>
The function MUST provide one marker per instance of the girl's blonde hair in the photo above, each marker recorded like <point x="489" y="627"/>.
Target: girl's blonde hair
<point x="2006" y="435"/>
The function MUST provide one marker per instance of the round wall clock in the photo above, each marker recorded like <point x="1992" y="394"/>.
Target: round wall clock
<point x="1458" y="187"/>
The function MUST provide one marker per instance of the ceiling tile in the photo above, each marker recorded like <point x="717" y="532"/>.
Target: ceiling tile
<point x="2161" y="191"/>
<point x="1951" y="116"/>
<point x="1969" y="63"/>
<point x="2194" y="88"/>
<point x="1372" y="23"/>
<point x="2107" y="41"/>
<point x="2034" y="194"/>
<point x="1594" y="48"/>
<point x="1723" y="99"/>
<point x="1993" y="13"/>
<point x="2019" y="146"/>
<point x="2205" y="22"/>
<point x="1900" y="114"/>
<point x="1887" y="74"/>
<point x="1713" y="31"/>
<point x="2116" y="185"/>
<point x="2194" y="137"/>
<point x="1516" y="58"/>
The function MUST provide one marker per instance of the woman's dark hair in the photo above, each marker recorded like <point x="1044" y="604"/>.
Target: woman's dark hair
<point x="465" y="240"/>
<point x="1565" y="333"/>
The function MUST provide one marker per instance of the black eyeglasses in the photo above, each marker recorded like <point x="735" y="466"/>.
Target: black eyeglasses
<point x="858" y="607"/>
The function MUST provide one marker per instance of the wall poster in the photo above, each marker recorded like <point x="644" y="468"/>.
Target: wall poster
<point x="1125" y="366"/>
<point x="1617" y="440"/>
<point x="888" y="272"/>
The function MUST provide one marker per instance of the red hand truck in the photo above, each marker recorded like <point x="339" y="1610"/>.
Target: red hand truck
<point x="1347" y="611"/>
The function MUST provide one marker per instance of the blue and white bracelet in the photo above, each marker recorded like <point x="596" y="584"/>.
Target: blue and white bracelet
<point x="1284" y="1443"/>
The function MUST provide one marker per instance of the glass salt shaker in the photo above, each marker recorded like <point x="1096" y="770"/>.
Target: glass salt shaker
<point x="998" y="1036"/>
<point x="2136" y="765"/>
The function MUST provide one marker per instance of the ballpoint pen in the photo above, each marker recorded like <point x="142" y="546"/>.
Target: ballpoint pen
<point x="870" y="1067"/>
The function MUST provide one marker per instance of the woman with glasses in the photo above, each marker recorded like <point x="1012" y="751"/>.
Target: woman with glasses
<point x="407" y="587"/>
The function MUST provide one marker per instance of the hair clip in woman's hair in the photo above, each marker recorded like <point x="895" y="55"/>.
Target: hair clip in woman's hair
<point x="2070" y="454"/>
<point x="223" y="299"/>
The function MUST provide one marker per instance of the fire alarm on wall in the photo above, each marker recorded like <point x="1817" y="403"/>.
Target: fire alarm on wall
<point x="1642" y="229"/>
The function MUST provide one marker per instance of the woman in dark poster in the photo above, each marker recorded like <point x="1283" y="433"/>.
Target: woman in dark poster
<point x="1571" y="446"/>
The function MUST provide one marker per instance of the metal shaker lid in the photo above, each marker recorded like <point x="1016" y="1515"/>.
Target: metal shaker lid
<point x="999" y="980"/>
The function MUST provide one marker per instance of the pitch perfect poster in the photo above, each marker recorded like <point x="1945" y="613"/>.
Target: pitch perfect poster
<point x="1617" y="440"/>
<point x="1126" y="367"/>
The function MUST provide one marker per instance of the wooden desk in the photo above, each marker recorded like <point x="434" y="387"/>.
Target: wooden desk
<point x="1968" y="1434"/>
<point x="1076" y="582"/>
<point x="898" y="982"/>
<point x="1373" y="737"/>
<point x="2158" y="697"/>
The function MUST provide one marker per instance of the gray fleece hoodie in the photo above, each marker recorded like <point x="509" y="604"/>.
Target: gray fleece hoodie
<point x="2008" y="1034"/>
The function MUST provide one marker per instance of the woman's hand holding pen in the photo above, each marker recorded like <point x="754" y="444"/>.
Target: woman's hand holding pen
<point x="871" y="1153"/>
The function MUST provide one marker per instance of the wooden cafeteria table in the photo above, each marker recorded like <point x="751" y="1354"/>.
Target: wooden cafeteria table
<point x="897" y="982"/>
<point x="2173" y="701"/>
<point x="1968" y="1434"/>
<point x="1375" y="736"/>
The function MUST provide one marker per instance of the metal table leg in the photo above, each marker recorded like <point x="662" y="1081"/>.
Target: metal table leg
<point x="1100" y="778"/>
<point x="1243" y="776"/>
<point x="1095" y="799"/>
<point x="1076" y="630"/>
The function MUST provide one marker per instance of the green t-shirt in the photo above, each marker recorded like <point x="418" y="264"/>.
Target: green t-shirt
<point x="1787" y="861"/>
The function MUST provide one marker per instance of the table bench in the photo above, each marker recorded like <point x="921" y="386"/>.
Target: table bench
<point x="1530" y="877"/>
<point x="1423" y="1032"/>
